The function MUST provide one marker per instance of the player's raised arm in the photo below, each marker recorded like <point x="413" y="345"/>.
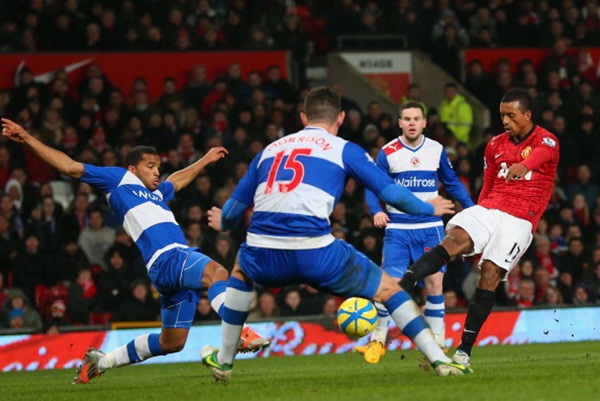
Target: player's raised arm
<point x="183" y="177"/>
<point x="55" y="158"/>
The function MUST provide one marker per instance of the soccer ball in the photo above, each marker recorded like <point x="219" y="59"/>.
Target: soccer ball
<point x="357" y="317"/>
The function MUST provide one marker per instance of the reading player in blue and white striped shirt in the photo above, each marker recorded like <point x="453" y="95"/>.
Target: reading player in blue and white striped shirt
<point x="419" y="164"/>
<point x="294" y="183"/>
<point x="178" y="271"/>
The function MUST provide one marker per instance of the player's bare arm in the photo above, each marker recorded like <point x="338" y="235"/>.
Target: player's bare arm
<point x="214" y="218"/>
<point x="441" y="206"/>
<point x="380" y="219"/>
<point x="183" y="177"/>
<point x="55" y="158"/>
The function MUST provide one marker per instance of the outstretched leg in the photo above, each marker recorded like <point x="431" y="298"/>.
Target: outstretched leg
<point x="411" y="322"/>
<point x="143" y="347"/>
<point x="456" y="242"/>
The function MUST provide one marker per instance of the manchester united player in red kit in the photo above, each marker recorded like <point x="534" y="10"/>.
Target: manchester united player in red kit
<point x="519" y="169"/>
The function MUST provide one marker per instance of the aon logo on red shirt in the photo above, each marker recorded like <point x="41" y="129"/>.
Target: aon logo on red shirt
<point x="504" y="171"/>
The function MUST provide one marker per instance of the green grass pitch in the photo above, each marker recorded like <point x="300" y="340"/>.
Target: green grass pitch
<point x="563" y="371"/>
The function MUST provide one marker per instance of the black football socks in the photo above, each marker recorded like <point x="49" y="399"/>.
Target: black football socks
<point x="429" y="263"/>
<point x="477" y="314"/>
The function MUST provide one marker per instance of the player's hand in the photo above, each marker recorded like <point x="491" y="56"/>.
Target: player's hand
<point x="380" y="219"/>
<point x="13" y="131"/>
<point x="515" y="172"/>
<point x="214" y="218"/>
<point x="441" y="206"/>
<point x="215" y="154"/>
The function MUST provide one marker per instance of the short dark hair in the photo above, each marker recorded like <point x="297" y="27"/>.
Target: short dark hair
<point x="322" y="104"/>
<point x="136" y="154"/>
<point x="410" y="105"/>
<point x="518" y="95"/>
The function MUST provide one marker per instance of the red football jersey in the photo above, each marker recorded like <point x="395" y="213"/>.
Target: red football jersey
<point x="526" y="198"/>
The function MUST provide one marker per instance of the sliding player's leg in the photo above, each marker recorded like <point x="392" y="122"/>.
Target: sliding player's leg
<point x="177" y="313"/>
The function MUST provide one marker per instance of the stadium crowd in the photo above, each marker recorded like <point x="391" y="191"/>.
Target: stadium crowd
<point x="65" y="261"/>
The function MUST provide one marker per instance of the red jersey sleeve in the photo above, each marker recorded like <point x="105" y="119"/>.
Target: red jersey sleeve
<point x="489" y="175"/>
<point x="545" y="152"/>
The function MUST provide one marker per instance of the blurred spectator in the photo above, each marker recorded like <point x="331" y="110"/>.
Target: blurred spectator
<point x="448" y="19"/>
<point x="3" y="292"/>
<point x="205" y="312"/>
<point x="266" y="307"/>
<point x="139" y="306"/>
<point x="581" y="211"/>
<point x="28" y="194"/>
<point x="582" y="295"/>
<point x="57" y="318"/>
<point x="81" y="297"/>
<point x="31" y="265"/>
<point x="114" y="283"/>
<point x="575" y="260"/>
<point x="560" y="61"/>
<point x="9" y="243"/>
<point x="545" y="257"/>
<point x="278" y="87"/>
<point x="478" y="80"/>
<point x="482" y="19"/>
<point x="330" y="306"/>
<point x="169" y="94"/>
<point x="224" y="253"/>
<point x="446" y="51"/>
<point x="558" y="242"/>
<point x="353" y="126"/>
<point x="584" y="185"/>
<point x="348" y="104"/>
<point x="416" y="33"/>
<point x="96" y="238"/>
<point x="76" y="217"/>
<point x="259" y="39"/>
<point x="197" y="237"/>
<point x="369" y="244"/>
<point x="4" y="165"/>
<point x="452" y="301"/>
<point x="525" y="297"/>
<point x="541" y="277"/>
<point x="291" y="36"/>
<point x="456" y="113"/>
<point x="51" y="228"/>
<point x="20" y="314"/>
<point x="342" y="18"/>
<point x="197" y="87"/>
<point x="235" y="29"/>
<point x="552" y="297"/>
<point x="70" y="260"/>
<point x="291" y="303"/>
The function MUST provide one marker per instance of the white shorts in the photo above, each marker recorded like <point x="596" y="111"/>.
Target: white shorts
<point x="498" y="236"/>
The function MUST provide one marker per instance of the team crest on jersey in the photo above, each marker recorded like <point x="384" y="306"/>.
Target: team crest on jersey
<point x="549" y="142"/>
<point x="415" y="161"/>
<point x="526" y="152"/>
